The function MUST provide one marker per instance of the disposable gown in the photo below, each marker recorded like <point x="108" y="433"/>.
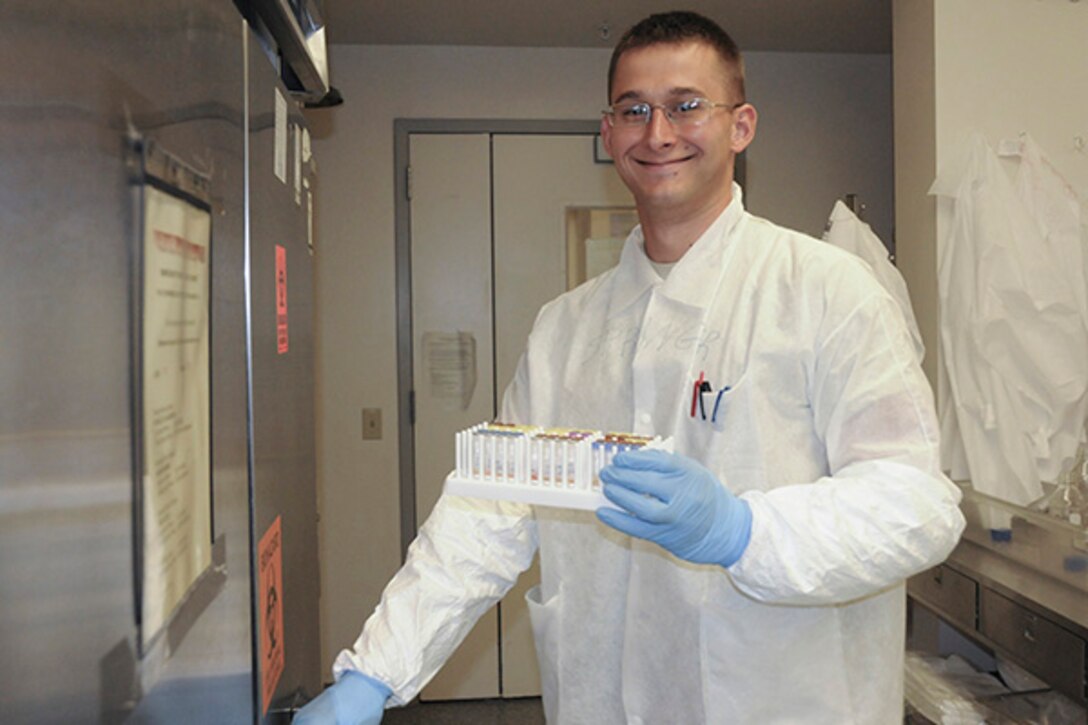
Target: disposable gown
<point x="847" y="231"/>
<point x="1013" y="332"/>
<point x="827" y="431"/>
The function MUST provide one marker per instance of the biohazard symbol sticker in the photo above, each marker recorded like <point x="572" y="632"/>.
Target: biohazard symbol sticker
<point x="270" y="607"/>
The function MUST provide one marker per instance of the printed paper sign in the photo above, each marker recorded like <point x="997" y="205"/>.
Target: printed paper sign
<point x="451" y="367"/>
<point x="175" y="396"/>
<point x="279" y="150"/>
<point x="296" y="133"/>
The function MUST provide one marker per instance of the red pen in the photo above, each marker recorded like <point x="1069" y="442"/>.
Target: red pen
<point x="698" y="387"/>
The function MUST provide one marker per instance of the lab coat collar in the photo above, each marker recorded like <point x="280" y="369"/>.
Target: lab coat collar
<point x="693" y="280"/>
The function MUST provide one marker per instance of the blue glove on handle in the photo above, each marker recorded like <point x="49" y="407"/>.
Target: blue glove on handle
<point x="355" y="700"/>
<point x="677" y="503"/>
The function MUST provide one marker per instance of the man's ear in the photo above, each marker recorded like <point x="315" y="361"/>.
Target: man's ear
<point x="743" y="128"/>
<point x="606" y="135"/>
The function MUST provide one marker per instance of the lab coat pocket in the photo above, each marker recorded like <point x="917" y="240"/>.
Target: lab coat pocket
<point x="727" y="405"/>
<point x="728" y="441"/>
<point x="544" y="617"/>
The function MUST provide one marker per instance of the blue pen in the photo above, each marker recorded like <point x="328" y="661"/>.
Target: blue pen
<point x="717" y="402"/>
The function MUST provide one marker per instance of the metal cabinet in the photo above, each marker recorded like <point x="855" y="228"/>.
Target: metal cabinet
<point x="1016" y="612"/>
<point x="1052" y="652"/>
<point x="949" y="593"/>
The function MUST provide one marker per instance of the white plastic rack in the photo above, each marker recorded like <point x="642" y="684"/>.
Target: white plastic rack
<point x="542" y="466"/>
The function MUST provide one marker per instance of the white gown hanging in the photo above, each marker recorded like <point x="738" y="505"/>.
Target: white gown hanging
<point x="1014" y="335"/>
<point x="847" y="231"/>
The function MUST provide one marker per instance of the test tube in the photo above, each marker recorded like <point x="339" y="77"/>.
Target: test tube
<point x="476" y="458"/>
<point x="519" y="468"/>
<point x="566" y="475"/>
<point x="459" y="441"/>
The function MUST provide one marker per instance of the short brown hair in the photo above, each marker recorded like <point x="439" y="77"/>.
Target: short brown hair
<point x="677" y="27"/>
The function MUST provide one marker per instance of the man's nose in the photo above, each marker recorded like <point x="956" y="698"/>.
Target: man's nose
<point x="659" y="129"/>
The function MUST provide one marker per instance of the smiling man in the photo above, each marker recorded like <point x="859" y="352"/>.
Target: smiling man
<point x="677" y="121"/>
<point x="755" y="576"/>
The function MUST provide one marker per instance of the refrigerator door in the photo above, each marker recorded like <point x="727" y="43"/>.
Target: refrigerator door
<point x="80" y="80"/>
<point x="281" y="362"/>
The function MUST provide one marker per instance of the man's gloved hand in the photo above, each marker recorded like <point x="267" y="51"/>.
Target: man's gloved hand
<point x="355" y="700"/>
<point x="677" y="503"/>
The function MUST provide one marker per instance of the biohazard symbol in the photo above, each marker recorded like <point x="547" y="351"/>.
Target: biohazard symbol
<point x="271" y="607"/>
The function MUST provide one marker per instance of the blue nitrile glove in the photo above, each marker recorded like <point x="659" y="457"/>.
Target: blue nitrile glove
<point x="677" y="503"/>
<point x="355" y="700"/>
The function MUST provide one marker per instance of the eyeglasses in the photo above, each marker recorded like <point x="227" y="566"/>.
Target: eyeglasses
<point x="685" y="112"/>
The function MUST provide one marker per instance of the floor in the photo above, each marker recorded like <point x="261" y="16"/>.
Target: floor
<point x="522" y="711"/>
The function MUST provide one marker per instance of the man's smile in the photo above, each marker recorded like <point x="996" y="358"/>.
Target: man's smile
<point x="664" y="164"/>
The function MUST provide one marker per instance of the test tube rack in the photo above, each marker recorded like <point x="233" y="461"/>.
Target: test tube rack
<point x="546" y="467"/>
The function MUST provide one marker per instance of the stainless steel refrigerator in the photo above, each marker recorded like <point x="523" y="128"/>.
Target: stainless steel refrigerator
<point x="119" y="119"/>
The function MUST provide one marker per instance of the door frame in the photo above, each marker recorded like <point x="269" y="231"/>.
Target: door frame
<point x="402" y="130"/>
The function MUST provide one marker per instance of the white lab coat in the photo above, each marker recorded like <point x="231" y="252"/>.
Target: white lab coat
<point x="847" y="231"/>
<point x="1013" y="327"/>
<point x="827" y="431"/>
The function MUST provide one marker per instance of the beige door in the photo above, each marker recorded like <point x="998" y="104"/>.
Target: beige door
<point x="476" y="288"/>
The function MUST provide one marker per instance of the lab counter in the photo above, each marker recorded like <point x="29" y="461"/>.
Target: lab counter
<point x="1017" y="584"/>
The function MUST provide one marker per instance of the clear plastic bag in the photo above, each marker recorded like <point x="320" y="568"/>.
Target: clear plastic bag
<point x="1069" y="499"/>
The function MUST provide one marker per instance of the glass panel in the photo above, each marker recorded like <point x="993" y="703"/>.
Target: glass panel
<point x="1038" y="540"/>
<point x="595" y="238"/>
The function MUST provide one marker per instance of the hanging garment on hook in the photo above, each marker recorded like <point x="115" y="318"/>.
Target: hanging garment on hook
<point x="1014" y="335"/>
<point x="846" y="230"/>
<point x="1055" y="207"/>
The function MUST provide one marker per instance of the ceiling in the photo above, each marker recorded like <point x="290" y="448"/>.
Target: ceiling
<point x="831" y="26"/>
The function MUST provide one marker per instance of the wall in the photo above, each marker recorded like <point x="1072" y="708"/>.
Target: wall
<point x="825" y="130"/>
<point x="1006" y="66"/>
<point x="994" y="66"/>
<point x="916" y="164"/>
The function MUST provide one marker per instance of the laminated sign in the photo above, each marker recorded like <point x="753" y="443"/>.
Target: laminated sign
<point x="174" y="348"/>
<point x="281" y="300"/>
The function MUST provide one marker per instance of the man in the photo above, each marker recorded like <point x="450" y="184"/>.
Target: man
<point x="757" y="576"/>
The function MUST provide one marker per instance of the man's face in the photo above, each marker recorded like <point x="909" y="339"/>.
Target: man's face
<point x="682" y="170"/>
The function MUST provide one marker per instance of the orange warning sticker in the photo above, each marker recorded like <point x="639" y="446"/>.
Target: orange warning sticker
<point x="270" y="574"/>
<point x="281" y="299"/>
